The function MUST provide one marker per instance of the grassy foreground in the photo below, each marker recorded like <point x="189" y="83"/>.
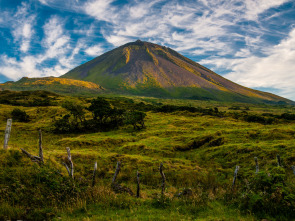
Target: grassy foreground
<point x="28" y="191"/>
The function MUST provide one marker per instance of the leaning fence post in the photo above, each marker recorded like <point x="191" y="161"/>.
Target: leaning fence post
<point x="293" y="168"/>
<point x="138" y="185"/>
<point x="38" y="159"/>
<point x="35" y="159"/>
<point x="279" y="160"/>
<point x="94" y="173"/>
<point x="163" y="178"/>
<point x="116" y="172"/>
<point x="40" y="146"/>
<point x="7" y="133"/>
<point x="68" y="169"/>
<point x="235" y="176"/>
<point x="257" y="165"/>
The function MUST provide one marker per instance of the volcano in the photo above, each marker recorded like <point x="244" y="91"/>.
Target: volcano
<point x="144" y="68"/>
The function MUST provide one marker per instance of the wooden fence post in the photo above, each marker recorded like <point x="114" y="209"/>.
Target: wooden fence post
<point x="7" y="133"/>
<point x="116" y="186"/>
<point x="116" y="172"/>
<point x="235" y="176"/>
<point x="94" y="174"/>
<point x="71" y="168"/>
<point x="37" y="159"/>
<point x="279" y="160"/>
<point x="138" y="185"/>
<point x="71" y="162"/>
<point x="163" y="178"/>
<point x="293" y="168"/>
<point x="40" y="146"/>
<point x="257" y="165"/>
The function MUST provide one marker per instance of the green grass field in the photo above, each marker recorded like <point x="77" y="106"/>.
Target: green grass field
<point x="29" y="191"/>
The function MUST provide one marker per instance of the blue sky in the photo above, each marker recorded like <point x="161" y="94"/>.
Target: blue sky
<point x="251" y="42"/>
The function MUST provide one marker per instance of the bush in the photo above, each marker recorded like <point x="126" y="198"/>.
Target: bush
<point x="19" y="115"/>
<point x="63" y="125"/>
<point x="38" y="190"/>
<point x="259" y="119"/>
<point x="269" y="194"/>
<point x="135" y="118"/>
<point x="288" y="116"/>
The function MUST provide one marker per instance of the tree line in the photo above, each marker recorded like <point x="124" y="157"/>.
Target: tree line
<point x="103" y="117"/>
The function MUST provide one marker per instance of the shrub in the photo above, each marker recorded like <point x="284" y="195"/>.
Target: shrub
<point x="288" y="116"/>
<point x="269" y="194"/>
<point x="20" y="115"/>
<point x="38" y="190"/>
<point x="135" y="118"/>
<point x="63" y="125"/>
<point x="258" y="119"/>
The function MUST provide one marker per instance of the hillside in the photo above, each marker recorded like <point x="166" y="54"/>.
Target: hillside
<point x="200" y="144"/>
<point x="53" y="84"/>
<point x="148" y="69"/>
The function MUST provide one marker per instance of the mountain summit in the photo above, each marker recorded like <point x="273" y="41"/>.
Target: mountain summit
<point x="149" y="69"/>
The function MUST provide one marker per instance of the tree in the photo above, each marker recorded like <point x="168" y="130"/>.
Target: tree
<point x="116" y="116"/>
<point x="76" y="110"/>
<point x="101" y="109"/>
<point x="136" y="118"/>
<point x="63" y="125"/>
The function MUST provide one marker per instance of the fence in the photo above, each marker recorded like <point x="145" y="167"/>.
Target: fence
<point x="69" y="165"/>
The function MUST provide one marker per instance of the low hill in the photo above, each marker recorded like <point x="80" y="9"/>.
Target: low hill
<point x="148" y="69"/>
<point x="53" y="84"/>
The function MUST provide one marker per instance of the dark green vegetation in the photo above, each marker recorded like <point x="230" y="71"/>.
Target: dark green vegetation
<point x="199" y="142"/>
<point x="146" y="69"/>
<point x="28" y="98"/>
<point x="104" y="117"/>
<point x="19" y="115"/>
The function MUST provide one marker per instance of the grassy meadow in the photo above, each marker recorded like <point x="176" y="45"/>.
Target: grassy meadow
<point x="199" y="153"/>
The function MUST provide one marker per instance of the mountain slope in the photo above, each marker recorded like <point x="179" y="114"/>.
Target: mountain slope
<point x="148" y="69"/>
<point x="53" y="84"/>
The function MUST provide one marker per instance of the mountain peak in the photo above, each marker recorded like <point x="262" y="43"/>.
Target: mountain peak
<point x="145" y="68"/>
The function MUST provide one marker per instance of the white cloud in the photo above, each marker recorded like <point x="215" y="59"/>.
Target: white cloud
<point x="141" y="9"/>
<point x="199" y="21"/>
<point x="100" y="9"/>
<point x="256" y="7"/>
<point x="44" y="2"/>
<point x="117" y="40"/>
<point x="56" y="44"/>
<point x="276" y="70"/>
<point x="53" y="31"/>
<point x="203" y="24"/>
<point x="95" y="50"/>
<point x="22" y="26"/>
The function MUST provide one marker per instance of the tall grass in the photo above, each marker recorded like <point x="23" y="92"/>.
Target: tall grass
<point x="32" y="192"/>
